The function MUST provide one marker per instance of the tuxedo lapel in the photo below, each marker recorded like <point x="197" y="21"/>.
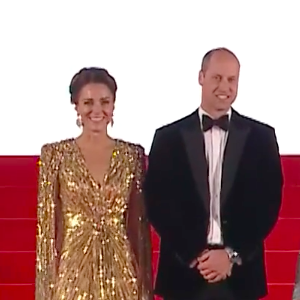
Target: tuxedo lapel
<point x="237" y="136"/>
<point x="195" y="147"/>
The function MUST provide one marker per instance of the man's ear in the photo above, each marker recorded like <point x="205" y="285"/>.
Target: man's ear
<point x="201" y="77"/>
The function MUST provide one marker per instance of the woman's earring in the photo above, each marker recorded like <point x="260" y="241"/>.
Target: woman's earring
<point x="112" y="121"/>
<point x="79" y="121"/>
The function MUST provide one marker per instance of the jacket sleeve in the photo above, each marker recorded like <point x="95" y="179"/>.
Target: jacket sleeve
<point x="270" y="185"/>
<point x="165" y="214"/>
<point x="45" y="238"/>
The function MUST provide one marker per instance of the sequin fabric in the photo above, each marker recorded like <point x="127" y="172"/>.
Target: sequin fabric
<point x="93" y="242"/>
<point x="296" y="294"/>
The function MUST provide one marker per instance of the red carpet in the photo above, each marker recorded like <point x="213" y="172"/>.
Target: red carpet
<point x="18" y="180"/>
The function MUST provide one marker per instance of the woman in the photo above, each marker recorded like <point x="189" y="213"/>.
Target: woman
<point x="296" y="295"/>
<point x="93" y="239"/>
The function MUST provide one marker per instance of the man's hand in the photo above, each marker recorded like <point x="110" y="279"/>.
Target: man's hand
<point x="214" y="265"/>
<point x="195" y="262"/>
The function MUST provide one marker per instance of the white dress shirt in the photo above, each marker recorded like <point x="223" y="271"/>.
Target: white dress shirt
<point x="215" y="140"/>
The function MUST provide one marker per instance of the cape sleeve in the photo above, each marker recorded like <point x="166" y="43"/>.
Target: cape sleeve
<point x="45" y="238"/>
<point x="138" y="229"/>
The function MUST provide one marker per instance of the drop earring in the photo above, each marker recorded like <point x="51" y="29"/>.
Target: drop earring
<point x="79" y="121"/>
<point x="112" y="122"/>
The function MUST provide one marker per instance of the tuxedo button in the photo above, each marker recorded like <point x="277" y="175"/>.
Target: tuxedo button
<point x="224" y="222"/>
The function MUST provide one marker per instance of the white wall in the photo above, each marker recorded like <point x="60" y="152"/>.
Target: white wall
<point x="154" y="50"/>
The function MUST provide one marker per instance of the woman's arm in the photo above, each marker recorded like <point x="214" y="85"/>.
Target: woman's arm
<point x="138" y="229"/>
<point x="45" y="239"/>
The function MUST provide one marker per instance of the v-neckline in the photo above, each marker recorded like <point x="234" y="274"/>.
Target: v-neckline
<point x="85" y="166"/>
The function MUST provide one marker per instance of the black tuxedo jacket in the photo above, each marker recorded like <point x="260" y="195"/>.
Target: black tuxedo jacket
<point x="177" y="199"/>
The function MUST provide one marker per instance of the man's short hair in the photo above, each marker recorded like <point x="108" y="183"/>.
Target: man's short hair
<point x="206" y="58"/>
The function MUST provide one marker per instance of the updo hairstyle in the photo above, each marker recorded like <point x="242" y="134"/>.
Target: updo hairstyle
<point x="91" y="75"/>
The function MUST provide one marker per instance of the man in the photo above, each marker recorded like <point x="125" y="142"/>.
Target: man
<point x="213" y="193"/>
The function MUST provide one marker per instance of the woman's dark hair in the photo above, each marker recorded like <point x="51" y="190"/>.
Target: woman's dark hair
<point x="91" y="75"/>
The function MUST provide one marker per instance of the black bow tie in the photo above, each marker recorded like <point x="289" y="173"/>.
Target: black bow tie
<point x="208" y="123"/>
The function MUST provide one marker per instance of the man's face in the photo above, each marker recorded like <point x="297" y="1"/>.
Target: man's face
<point x="219" y="81"/>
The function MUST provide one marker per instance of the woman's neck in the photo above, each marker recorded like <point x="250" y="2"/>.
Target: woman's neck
<point x="94" y="139"/>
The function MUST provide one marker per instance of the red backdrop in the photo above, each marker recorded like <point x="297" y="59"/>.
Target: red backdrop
<point x="18" y="189"/>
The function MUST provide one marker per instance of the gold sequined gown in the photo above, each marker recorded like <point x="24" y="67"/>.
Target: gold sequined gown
<point x="93" y="242"/>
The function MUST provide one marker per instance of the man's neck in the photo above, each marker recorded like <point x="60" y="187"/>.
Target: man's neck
<point x="215" y="114"/>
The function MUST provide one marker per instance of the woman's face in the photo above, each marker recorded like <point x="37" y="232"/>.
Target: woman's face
<point x="95" y="105"/>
